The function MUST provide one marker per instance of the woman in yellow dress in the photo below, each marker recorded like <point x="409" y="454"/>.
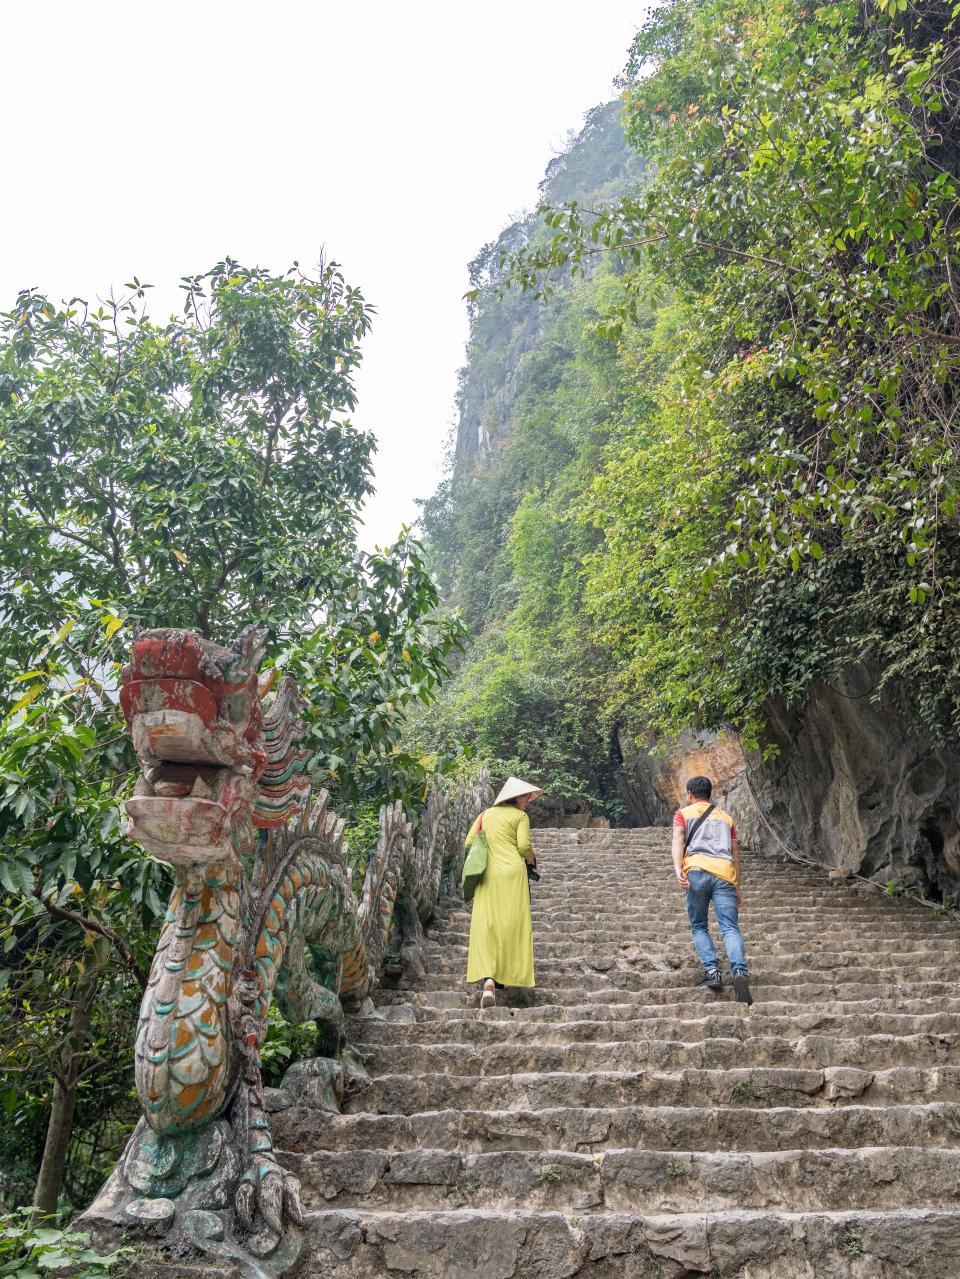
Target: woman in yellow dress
<point x="501" y="931"/>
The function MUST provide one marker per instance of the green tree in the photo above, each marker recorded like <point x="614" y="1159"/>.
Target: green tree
<point x="200" y="470"/>
<point x="802" y="216"/>
<point x="200" y="474"/>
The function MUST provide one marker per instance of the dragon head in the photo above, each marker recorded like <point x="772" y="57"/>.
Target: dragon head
<point x="213" y="765"/>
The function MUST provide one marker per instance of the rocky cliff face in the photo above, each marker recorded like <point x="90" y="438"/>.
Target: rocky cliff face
<point x="862" y="792"/>
<point x="596" y="165"/>
<point x="490" y="384"/>
<point x="852" y="786"/>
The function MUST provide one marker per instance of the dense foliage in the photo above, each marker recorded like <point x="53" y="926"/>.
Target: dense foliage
<point x="726" y="469"/>
<point x="803" y="216"/>
<point x="502" y="531"/>
<point x="202" y="474"/>
<point x="31" y="1250"/>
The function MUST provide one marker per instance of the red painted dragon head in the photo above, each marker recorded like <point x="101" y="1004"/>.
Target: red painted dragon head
<point x="215" y="765"/>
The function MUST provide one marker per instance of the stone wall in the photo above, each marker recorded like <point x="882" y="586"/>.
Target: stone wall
<point x="855" y="786"/>
<point x="654" y="785"/>
<point x="849" y="784"/>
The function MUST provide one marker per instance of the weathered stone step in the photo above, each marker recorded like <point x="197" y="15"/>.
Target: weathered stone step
<point x="630" y="1181"/>
<point x="565" y="1003"/>
<point x="646" y="894"/>
<point x="861" y="1244"/>
<point x="639" y="903"/>
<point x="812" y="1052"/>
<point x="788" y="922"/>
<point x="863" y="1017"/>
<point x="830" y="919"/>
<point x="781" y="955"/>
<point x="604" y="907"/>
<point x="784" y="956"/>
<point x="609" y="941"/>
<point x="302" y="1129"/>
<point x="560" y="982"/>
<point x="804" y="938"/>
<point x="662" y="984"/>
<point x="603" y="1023"/>
<point x="572" y="867"/>
<point x="569" y="874"/>
<point x="402" y="1094"/>
<point x="787" y="940"/>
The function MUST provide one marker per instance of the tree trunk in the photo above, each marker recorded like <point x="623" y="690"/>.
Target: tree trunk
<point x="70" y="1065"/>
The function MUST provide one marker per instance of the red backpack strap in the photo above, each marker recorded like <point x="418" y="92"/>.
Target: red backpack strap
<point x="480" y="827"/>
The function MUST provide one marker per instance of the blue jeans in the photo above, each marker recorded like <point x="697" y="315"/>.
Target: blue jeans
<point x="703" y="887"/>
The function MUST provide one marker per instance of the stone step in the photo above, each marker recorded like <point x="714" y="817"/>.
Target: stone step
<point x="603" y="1023"/>
<point x="680" y="983"/>
<point x="591" y="938"/>
<point x="784" y="954"/>
<point x="655" y="986"/>
<point x="301" y="1129"/>
<point x="768" y="1002"/>
<point x="404" y="1094"/>
<point x="630" y="1181"/>
<point x="654" y="860"/>
<point x="571" y="873"/>
<point x="648" y="901"/>
<point x="860" y="1244"/>
<point x="812" y="1052"/>
<point x="798" y="924"/>
<point x="823" y="918"/>
<point x="643" y="903"/>
<point x="798" y="921"/>
<point x="639" y="891"/>
<point x="658" y="888"/>
<point x="778" y="945"/>
<point x="694" y="1021"/>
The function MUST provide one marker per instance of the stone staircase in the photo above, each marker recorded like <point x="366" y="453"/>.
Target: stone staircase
<point x="619" y="1122"/>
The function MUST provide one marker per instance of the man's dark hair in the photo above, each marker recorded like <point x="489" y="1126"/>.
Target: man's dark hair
<point x="700" y="787"/>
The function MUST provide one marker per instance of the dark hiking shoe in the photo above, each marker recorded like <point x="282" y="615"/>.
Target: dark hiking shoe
<point x="711" y="979"/>
<point x="742" y="987"/>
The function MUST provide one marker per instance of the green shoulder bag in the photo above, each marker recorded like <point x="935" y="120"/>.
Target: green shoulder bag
<point x="475" y="865"/>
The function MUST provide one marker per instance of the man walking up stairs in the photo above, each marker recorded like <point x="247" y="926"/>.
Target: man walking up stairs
<point x="706" y="860"/>
<point x="618" y="1122"/>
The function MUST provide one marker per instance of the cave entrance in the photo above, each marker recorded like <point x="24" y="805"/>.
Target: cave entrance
<point x="937" y="835"/>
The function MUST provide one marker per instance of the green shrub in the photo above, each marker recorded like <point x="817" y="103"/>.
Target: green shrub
<point x="31" y="1250"/>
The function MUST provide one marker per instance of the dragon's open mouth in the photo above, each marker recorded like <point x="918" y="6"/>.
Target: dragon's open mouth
<point x="213" y="766"/>
<point x="185" y="811"/>
<point x="195" y="719"/>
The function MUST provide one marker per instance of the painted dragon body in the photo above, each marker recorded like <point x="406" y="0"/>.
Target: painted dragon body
<point x="262" y="909"/>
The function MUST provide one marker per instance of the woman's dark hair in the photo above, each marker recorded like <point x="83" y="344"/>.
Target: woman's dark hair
<point x="512" y="801"/>
<point x="700" y="787"/>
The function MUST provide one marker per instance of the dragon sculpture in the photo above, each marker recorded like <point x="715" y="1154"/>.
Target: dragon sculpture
<point x="262" y="909"/>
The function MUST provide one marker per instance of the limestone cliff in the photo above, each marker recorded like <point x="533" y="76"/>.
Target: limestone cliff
<point x="846" y="781"/>
<point x="861" y="791"/>
<point x="595" y="165"/>
<point x="850" y="785"/>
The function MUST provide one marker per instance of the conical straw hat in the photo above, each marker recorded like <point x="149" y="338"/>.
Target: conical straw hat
<point x="514" y="787"/>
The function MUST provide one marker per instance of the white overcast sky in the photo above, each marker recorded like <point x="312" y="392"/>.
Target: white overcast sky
<point x="151" y="139"/>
